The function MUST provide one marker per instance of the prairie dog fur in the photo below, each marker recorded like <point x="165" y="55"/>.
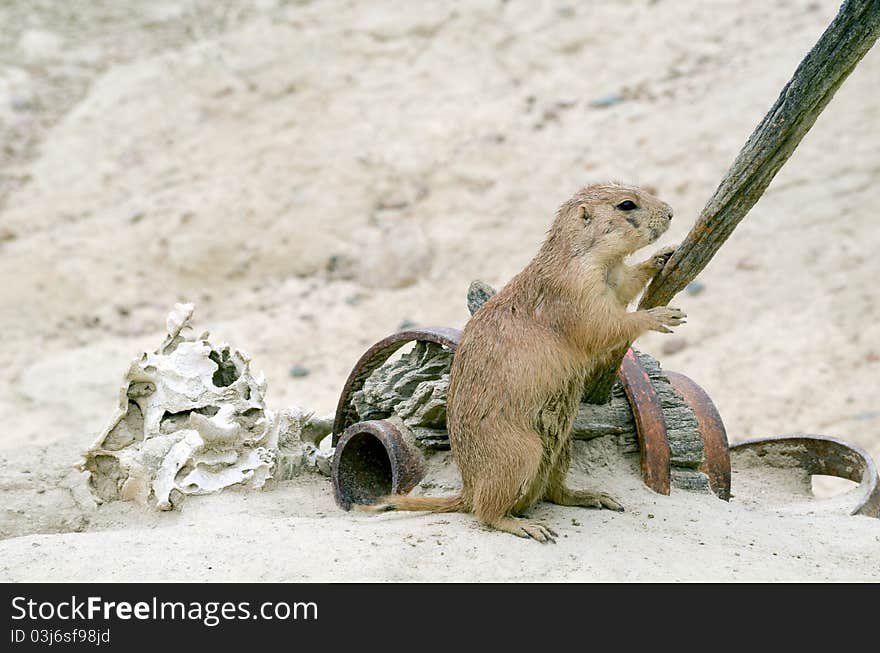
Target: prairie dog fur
<point x="519" y="371"/>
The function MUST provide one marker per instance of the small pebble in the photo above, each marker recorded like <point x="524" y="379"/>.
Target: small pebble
<point x="673" y="345"/>
<point x="694" y="288"/>
<point x="607" y="101"/>
<point x="391" y="204"/>
<point x="747" y="264"/>
<point x="19" y="103"/>
<point x="299" y="371"/>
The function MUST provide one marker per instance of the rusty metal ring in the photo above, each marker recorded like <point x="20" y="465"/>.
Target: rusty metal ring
<point x="822" y="454"/>
<point x="654" y="453"/>
<point x="716" y="452"/>
<point x="374" y="357"/>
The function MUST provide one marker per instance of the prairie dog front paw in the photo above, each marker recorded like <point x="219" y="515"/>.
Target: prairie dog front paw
<point x="661" y="257"/>
<point x="665" y="316"/>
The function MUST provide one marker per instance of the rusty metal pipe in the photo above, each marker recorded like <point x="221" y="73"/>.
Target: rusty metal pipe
<point x="373" y="459"/>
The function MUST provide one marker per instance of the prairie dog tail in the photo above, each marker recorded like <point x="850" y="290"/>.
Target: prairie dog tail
<point x="403" y="502"/>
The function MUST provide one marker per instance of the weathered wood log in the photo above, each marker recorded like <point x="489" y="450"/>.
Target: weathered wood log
<point x="413" y="389"/>
<point x="843" y="44"/>
<point x="477" y="295"/>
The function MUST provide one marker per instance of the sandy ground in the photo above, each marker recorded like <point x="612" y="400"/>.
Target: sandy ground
<point x="293" y="531"/>
<point x="314" y="174"/>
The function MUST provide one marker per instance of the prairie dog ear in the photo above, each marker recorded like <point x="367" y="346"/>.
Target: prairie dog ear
<point x="582" y="213"/>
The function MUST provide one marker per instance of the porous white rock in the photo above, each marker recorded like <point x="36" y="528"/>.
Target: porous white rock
<point x="192" y="420"/>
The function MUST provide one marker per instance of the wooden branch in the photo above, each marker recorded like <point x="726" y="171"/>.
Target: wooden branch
<point x="843" y="44"/>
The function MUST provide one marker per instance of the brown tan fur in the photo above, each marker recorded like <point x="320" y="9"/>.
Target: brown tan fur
<point x="518" y="374"/>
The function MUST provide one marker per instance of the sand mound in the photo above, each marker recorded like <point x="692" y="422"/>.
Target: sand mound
<point x="315" y="174"/>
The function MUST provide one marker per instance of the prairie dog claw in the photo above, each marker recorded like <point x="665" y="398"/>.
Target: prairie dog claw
<point x="666" y="316"/>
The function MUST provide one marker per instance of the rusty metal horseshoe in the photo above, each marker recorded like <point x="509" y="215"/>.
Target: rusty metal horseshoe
<point x="821" y="454"/>
<point x="716" y="451"/>
<point x="374" y="357"/>
<point x="654" y="450"/>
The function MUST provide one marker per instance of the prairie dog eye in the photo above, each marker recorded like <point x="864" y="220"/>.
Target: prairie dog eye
<point x="627" y="205"/>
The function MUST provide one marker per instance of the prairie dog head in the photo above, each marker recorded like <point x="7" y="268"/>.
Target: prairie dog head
<point x="612" y="220"/>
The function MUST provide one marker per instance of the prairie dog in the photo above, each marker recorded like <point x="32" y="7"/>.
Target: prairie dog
<point x="519" y="371"/>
